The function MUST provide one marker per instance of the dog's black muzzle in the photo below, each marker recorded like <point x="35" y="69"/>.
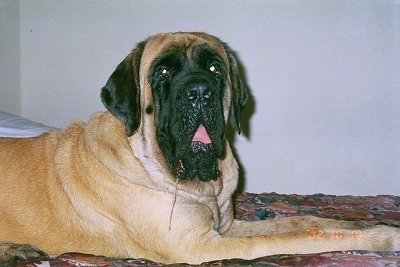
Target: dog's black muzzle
<point x="199" y="126"/>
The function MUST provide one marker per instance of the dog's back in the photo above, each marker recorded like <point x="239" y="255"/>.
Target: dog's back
<point x="24" y="189"/>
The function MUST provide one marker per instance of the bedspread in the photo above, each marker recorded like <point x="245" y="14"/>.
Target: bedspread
<point x="369" y="210"/>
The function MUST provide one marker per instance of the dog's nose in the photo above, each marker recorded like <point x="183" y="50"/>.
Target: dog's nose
<point x="199" y="94"/>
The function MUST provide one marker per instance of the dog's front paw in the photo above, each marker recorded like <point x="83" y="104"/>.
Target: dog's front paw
<point x="12" y="253"/>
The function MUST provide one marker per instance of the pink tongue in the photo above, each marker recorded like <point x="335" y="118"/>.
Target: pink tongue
<point x="201" y="135"/>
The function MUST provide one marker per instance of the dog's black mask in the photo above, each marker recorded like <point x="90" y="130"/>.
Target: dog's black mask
<point x="188" y="94"/>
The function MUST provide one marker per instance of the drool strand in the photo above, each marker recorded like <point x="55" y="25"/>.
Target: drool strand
<point x="173" y="204"/>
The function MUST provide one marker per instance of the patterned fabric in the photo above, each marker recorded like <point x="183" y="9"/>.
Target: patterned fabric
<point x="382" y="209"/>
<point x="369" y="210"/>
<point x="345" y="258"/>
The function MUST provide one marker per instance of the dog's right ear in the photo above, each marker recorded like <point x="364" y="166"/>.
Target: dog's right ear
<point x="239" y="91"/>
<point x="121" y="94"/>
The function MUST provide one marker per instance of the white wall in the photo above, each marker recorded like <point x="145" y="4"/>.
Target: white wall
<point x="10" y="91"/>
<point x="325" y="76"/>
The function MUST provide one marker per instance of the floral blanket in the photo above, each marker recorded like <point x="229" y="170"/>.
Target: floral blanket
<point x="370" y="210"/>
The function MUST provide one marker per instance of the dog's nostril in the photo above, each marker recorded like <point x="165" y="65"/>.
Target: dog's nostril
<point x="207" y="94"/>
<point x="192" y="95"/>
<point x="199" y="92"/>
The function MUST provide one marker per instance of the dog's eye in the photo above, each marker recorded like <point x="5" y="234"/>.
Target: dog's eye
<point x="214" y="69"/>
<point x="164" y="72"/>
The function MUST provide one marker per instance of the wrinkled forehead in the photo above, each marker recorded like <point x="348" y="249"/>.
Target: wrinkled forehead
<point x="184" y="43"/>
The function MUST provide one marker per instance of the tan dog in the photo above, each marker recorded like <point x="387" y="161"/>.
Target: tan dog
<point x="153" y="177"/>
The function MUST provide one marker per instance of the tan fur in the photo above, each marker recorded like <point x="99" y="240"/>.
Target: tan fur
<point x="92" y="189"/>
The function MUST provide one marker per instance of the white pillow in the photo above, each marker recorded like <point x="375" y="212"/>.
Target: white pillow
<point x="15" y="126"/>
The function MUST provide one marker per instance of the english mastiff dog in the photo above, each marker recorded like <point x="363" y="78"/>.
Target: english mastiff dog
<point x="154" y="176"/>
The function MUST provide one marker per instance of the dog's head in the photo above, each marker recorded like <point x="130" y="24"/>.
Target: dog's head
<point x="189" y="84"/>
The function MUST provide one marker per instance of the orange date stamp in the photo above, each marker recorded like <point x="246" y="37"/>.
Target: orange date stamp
<point x="319" y="234"/>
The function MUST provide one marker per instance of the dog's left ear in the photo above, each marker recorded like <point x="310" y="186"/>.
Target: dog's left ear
<point x="121" y="94"/>
<point x="238" y="90"/>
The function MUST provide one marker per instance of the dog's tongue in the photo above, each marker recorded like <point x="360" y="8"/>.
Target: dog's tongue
<point x="201" y="135"/>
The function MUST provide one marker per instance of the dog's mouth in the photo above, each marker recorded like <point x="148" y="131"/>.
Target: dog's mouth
<point x="201" y="136"/>
<point x="199" y="158"/>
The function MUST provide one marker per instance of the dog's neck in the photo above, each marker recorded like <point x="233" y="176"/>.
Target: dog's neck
<point x="124" y="155"/>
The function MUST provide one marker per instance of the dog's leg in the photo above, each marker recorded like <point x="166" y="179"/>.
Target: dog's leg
<point x="377" y="238"/>
<point x="284" y="225"/>
<point x="292" y="235"/>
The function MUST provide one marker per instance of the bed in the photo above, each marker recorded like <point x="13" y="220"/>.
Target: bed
<point x="369" y="210"/>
